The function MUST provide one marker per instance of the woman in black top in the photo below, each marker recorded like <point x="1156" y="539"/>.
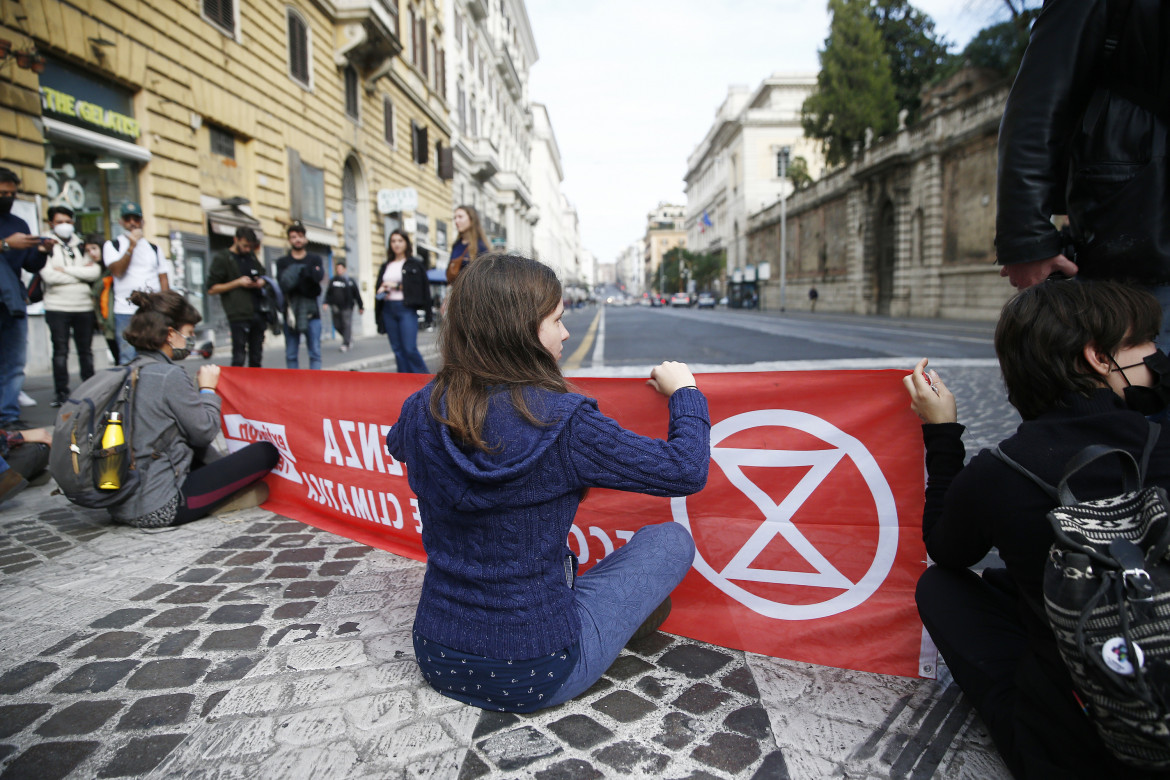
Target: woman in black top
<point x="402" y="291"/>
<point x="1076" y="359"/>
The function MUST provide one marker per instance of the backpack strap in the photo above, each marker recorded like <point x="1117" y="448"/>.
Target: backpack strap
<point x="1047" y="488"/>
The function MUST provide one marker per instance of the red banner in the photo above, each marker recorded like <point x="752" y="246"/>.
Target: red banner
<point x="808" y="533"/>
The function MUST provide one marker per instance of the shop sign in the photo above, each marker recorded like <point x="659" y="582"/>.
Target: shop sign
<point x="61" y="104"/>
<point x="405" y="199"/>
<point x="73" y="95"/>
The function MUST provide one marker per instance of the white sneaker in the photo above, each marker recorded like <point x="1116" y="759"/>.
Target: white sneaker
<point x="26" y="399"/>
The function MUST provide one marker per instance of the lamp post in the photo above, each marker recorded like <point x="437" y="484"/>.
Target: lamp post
<point x="784" y="152"/>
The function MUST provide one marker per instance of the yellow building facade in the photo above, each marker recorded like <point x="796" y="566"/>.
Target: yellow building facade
<point x="215" y="114"/>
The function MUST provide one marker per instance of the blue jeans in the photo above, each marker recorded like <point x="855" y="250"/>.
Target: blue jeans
<point x="616" y="596"/>
<point x="292" y="345"/>
<point x="402" y="330"/>
<point x="126" y="353"/>
<point x="13" y="355"/>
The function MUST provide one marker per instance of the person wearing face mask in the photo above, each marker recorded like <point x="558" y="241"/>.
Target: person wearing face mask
<point x="135" y="264"/>
<point x="68" y="277"/>
<point x="19" y="250"/>
<point x="175" y="422"/>
<point x="1081" y="367"/>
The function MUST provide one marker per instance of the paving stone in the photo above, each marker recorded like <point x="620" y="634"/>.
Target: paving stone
<point x="651" y="645"/>
<point x="249" y="558"/>
<point x="331" y="655"/>
<point x="202" y="574"/>
<point x="773" y="767"/>
<point x="301" y="555"/>
<point x="570" y="769"/>
<point x="289" y="572"/>
<point x="260" y="590"/>
<point x="49" y="760"/>
<point x="731" y="753"/>
<point x="6" y="751"/>
<point x="629" y="757"/>
<point x="255" y="699"/>
<point x="175" y="617"/>
<point x="176" y="643"/>
<point x="580" y="731"/>
<point x="293" y="610"/>
<point x="381" y="709"/>
<point x="68" y="642"/>
<point x="80" y="717"/>
<point x="518" y="748"/>
<point x="171" y="673"/>
<point x="244" y="542"/>
<point x="214" y="556"/>
<point x="750" y="721"/>
<point x="490" y="722"/>
<point x="701" y="698"/>
<point x="241" y="574"/>
<point x="309" y="589"/>
<point x="336" y="568"/>
<point x="212" y="700"/>
<point x="410" y="742"/>
<point x="317" y="726"/>
<point x="232" y="669"/>
<point x="17" y="557"/>
<point x="194" y="594"/>
<point x="694" y="661"/>
<point x="597" y="687"/>
<point x="678" y="731"/>
<point x="153" y="592"/>
<point x="28" y="673"/>
<point x="291" y="540"/>
<point x="113" y="644"/>
<point x="15" y="718"/>
<point x="247" y="638"/>
<point x="291" y="527"/>
<point x="348" y="628"/>
<point x="473" y="767"/>
<point x="264" y="528"/>
<point x="121" y="618"/>
<point x="156" y="711"/>
<point x="743" y="681"/>
<point x="237" y="613"/>
<point x="352" y="552"/>
<point x="627" y="666"/>
<point x="652" y="687"/>
<point x="623" y="706"/>
<point x="20" y="567"/>
<point x="96" y="677"/>
<point x="300" y="632"/>
<point x="141" y="754"/>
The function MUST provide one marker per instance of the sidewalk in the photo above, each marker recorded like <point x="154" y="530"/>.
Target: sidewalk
<point x="249" y="645"/>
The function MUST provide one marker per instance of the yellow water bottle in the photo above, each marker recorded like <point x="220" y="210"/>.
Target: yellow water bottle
<point x="111" y="465"/>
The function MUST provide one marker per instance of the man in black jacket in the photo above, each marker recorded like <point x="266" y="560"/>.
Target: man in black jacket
<point x="341" y="297"/>
<point x="235" y="276"/>
<point x="1084" y="133"/>
<point x="299" y="274"/>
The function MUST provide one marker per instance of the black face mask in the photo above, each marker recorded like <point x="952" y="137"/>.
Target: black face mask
<point x="6" y="202"/>
<point x="1150" y="400"/>
<point x="181" y="353"/>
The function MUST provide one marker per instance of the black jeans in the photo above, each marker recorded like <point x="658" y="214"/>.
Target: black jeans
<point x="208" y="486"/>
<point x="248" y="335"/>
<point x="82" y="325"/>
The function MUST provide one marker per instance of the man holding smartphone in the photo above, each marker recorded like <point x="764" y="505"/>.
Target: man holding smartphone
<point x="135" y="264"/>
<point x="235" y="276"/>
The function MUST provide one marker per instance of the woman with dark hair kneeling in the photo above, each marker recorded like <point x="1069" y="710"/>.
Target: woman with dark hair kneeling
<point x="174" y="423"/>
<point x="1080" y="365"/>
<point x="500" y="453"/>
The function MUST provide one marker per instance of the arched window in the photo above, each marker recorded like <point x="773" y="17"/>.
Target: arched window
<point x="299" y="54"/>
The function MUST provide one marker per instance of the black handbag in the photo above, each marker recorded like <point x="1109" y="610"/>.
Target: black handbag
<point x="36" y="289"/>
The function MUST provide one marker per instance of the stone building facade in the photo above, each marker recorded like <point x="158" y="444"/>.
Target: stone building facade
<point x="908" y="228"/>
<point x="556" y="239"/>
<point x="665" y="230"/>
<point x="216" y="114"/>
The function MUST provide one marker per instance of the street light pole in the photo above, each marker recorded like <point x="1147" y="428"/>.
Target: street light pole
<point x="784" y="151"/>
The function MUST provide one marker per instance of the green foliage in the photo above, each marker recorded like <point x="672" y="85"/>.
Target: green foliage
<point x="703" y="267"/>
<point x="798" y="173"/>
<point x="917" y="55"/>
<point x="855" y="88"/>
<point x="1000" y="47"/>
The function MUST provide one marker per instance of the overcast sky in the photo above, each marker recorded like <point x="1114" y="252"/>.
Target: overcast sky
<point x="632" y="87"/>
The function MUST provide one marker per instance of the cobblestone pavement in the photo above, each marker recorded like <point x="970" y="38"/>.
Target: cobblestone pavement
<point x="251" y="646"/>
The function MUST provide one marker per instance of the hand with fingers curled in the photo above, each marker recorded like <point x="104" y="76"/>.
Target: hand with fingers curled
<point x="929" y="397"/>
<point x="670" y="376"/>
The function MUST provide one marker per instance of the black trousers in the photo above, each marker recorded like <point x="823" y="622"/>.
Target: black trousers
<point x="209" y="485"/>
<point x="1026" y="701"/>
<point x="60" y="323"/>
<point x="248" y="337"/>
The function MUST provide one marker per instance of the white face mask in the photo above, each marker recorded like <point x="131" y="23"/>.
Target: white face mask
<point x="64" y="231"/>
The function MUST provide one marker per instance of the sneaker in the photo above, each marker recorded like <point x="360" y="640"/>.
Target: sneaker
<point x="244" y="498"/>
<point x="651" y="623"/>
<point x="11" y="483"/>
<point x="26" y="399"/>
<point x="58" y="401"/>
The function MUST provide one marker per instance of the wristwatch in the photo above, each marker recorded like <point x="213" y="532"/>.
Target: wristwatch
<point x="4" y="245"/>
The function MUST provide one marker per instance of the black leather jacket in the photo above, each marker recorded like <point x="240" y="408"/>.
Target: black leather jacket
<point x="416" y="289"/>
<point x="1078" y="137"/>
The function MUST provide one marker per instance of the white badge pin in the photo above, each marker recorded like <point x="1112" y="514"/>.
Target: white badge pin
<point x="1117" y="658"/>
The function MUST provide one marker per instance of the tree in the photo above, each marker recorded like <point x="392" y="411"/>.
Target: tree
<point x="917" y="55"/>
<point x="1000" y="47"/>
<point x="855" y="89"/>
<point x="798" y="173"/>
<point x="703" y="267"/>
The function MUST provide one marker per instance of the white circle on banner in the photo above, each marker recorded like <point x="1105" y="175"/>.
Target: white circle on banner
<point x="778" y="517"/>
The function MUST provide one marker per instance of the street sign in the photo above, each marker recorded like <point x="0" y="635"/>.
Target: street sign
<point x="405" y="199"/>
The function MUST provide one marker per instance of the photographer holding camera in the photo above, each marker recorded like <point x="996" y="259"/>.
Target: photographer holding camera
<point x="236" y="276"/>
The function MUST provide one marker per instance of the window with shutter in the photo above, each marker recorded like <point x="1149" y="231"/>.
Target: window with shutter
<point x="422" y="46"/>
<point x="461" y="99"/>
<point x="446" y="163"/>
<point x="222" y="13"/>
<point x="298" y="49"/>
<point x="388" y="120"/>
<point x="414" y="44"/>
<point x="423" y="149"/>
<point x="352" y="102"/>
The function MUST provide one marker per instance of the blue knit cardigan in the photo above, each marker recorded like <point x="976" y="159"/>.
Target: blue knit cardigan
<point x="495" y="524"/>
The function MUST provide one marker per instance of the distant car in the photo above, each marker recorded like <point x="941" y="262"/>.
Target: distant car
<point x="645" y="301"/>
<point x="723" y="301"/>
<point x="680" y="299"/>
<point x="656" y="301"/>
<point x="706" y="301"/>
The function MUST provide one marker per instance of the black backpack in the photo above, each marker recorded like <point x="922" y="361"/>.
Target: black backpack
<point x="76" y="455"/>
<point x="1107" y="600"/>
